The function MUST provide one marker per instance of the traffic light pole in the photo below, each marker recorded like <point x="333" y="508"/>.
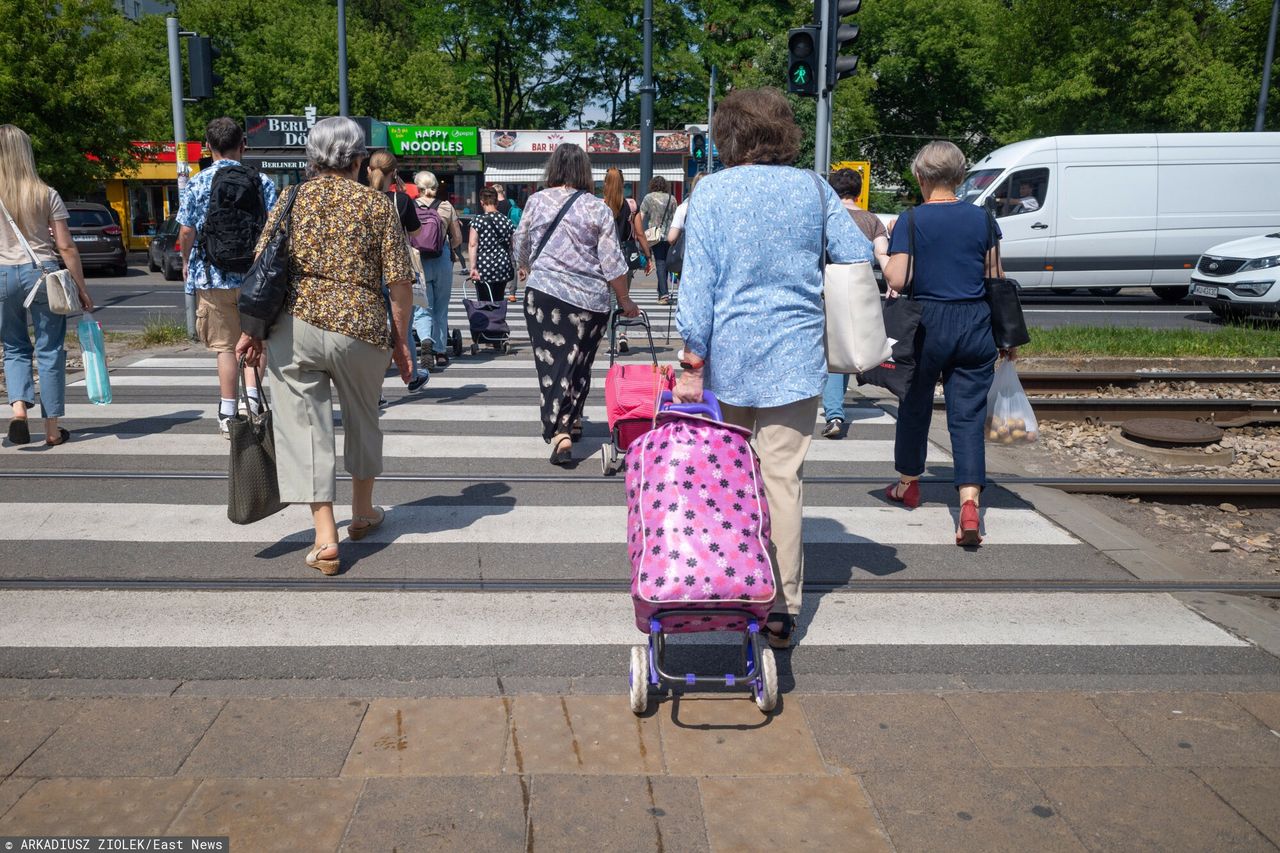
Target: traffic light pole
<point x="344" y="99"/>
<point x="822" y="126"/>
<point x="646" y="105"/>
<point x="179" y="136"/>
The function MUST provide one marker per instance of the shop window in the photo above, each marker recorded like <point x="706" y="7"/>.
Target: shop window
<point x="146" y="209"/>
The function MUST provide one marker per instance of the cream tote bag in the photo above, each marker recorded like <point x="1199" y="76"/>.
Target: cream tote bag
<point x="856" y="340"/>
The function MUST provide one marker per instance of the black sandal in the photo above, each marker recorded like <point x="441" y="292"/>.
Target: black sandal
<point x="779" y="638"/>
<point x="575" y="432"/>
<point x="561" y="451"/>
<point x="64" y="435"/>
<point x="19" y="432"/>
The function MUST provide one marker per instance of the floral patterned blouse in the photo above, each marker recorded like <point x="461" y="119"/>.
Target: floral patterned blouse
<point x="582" y="255"/>
<point x="345" y="240"/>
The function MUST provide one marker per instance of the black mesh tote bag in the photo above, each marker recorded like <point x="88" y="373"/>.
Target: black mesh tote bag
<point x="253" y="492"/>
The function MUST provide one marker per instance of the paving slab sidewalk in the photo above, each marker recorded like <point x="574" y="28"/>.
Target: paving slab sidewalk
<point x="960" y="771"/>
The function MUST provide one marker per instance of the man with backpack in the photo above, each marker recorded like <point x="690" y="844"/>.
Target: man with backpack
<point x="223" y="210"/>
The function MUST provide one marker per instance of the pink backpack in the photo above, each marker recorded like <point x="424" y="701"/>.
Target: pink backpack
<point x="697" y="522"/>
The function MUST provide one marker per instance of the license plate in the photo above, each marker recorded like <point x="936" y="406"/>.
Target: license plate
<point x="1208" y="290"/>
<point x="84" y="238"/>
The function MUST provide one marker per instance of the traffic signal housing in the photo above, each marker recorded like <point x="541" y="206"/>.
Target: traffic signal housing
<point x="698" y="147"/>
<point x="200" y="56"/>
<point x="802" y="60"/>
<point x="841" y="35"/>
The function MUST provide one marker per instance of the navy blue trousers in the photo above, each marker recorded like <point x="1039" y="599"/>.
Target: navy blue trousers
<point x="956" y="345"/>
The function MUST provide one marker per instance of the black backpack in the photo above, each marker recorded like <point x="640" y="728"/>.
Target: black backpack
<point x="234" y="219"/>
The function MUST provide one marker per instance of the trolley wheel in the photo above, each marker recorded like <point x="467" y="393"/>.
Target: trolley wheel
<point x="609" y="462"/>
<point x="475" y="349"/>
<point x="639" y="679"/>
<point x="456" y="340"/>
<point x="766" y="689"/>
<point x="505" y="347"/>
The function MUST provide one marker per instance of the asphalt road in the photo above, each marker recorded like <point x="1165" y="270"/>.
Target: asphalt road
<point x="128" y="302"/>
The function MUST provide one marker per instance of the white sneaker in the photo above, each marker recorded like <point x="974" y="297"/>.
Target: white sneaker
<point x="224" y="427"/>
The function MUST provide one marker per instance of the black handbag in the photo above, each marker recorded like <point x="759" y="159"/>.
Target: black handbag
<point x="675" y="254"/>
<point x="253" y="491"/>
<point x="902" y="326"/>
<point x="1008" y="325"/>
<point x="266" y="285"/>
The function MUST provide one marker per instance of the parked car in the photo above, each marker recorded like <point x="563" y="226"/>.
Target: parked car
<point x="1238" y="279"/>
<point x="1125" y="209"/>
<point x="164" y="254"/>
<point x="98" y="237"/>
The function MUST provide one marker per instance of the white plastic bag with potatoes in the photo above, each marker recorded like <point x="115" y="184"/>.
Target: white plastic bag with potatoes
<point x="1009" y="416"/>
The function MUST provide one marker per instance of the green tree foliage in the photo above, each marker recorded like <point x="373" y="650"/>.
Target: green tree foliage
<point x="68" y="79"/>
<point x="80" y="78"/>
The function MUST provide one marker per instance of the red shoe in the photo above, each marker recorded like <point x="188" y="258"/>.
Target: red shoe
<point x="969" y="522"/>
<point x="910" y="496"/>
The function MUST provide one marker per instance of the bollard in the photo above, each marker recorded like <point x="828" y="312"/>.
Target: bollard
<point x="191" y="316"/>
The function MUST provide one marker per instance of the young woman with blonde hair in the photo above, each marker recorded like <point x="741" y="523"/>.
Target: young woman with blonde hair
<point x="33" y="212"/>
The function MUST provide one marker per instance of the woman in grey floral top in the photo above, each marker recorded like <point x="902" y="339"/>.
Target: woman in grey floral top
<point x="567" y="251"/>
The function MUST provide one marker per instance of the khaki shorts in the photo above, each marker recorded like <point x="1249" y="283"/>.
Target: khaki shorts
<point x="218" y="318"/>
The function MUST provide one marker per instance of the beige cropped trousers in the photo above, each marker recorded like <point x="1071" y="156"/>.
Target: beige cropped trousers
<point x="781" y="437"/>
<point x="306" y="364"/>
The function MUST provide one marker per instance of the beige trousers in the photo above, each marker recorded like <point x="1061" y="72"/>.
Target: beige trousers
<point x="305" y="364"/>
<point x="782" y="435"/>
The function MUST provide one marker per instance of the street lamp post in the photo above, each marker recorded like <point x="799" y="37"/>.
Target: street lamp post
<point x="1266" y="68"/>
<point x="344" y="100"/>
<point x="646" y="104"/>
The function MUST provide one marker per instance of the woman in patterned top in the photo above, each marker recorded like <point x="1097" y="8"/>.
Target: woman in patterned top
<point x="751" y="307"/>
<point x="566" y="249"/>
<point x="345" y="240"/>
<point x="489" y="249"/>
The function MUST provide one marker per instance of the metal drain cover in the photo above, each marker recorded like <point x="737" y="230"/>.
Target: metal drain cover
<point x="1171" y="431"/>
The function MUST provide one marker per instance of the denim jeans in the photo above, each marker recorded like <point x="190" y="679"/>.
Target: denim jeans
<point x="833" y="396"/>
<point x="956" y="345"/>
<point x="50" y="349"/>
<point x="420" y="322"/>
<point x="439" y="287"/>
<point x="659" y="250"/>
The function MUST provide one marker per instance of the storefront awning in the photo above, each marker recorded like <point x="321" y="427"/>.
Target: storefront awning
<point x="531" y="171"/>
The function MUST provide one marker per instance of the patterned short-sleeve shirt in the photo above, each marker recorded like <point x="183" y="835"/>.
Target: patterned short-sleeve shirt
<point x="582" y="255"/>
<point x="345" y="240"/>
<point x="191" y="213"/>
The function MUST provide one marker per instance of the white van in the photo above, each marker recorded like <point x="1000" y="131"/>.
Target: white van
<point x="1101" y="212"/>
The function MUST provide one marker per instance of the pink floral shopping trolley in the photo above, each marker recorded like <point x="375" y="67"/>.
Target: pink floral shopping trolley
<point x="698" y="538"/>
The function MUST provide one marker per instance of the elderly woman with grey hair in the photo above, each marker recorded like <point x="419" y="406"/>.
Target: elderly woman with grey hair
<point x="345" y="240"/>
<point x="947" y="247"/>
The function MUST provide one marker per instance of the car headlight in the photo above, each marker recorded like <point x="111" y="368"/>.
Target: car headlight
<point x="1261" y="263"/>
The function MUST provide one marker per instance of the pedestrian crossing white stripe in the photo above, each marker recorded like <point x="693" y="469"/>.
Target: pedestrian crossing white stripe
<point x="413" y="409"/>
<point x="492" y="524"/>
<point x="399" y="445"/>
<point x="113" y="619"/>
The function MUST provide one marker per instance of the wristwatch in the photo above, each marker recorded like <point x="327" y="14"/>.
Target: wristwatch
<point x="689" y="361"/>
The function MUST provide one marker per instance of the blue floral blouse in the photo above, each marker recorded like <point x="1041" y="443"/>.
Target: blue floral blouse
<point x="751" y="289"/>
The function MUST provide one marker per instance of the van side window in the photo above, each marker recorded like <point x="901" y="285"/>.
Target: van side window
<point x="1023" y="192"/>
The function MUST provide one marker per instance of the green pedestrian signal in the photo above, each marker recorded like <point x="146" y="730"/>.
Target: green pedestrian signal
<point x="802" y="49"/>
